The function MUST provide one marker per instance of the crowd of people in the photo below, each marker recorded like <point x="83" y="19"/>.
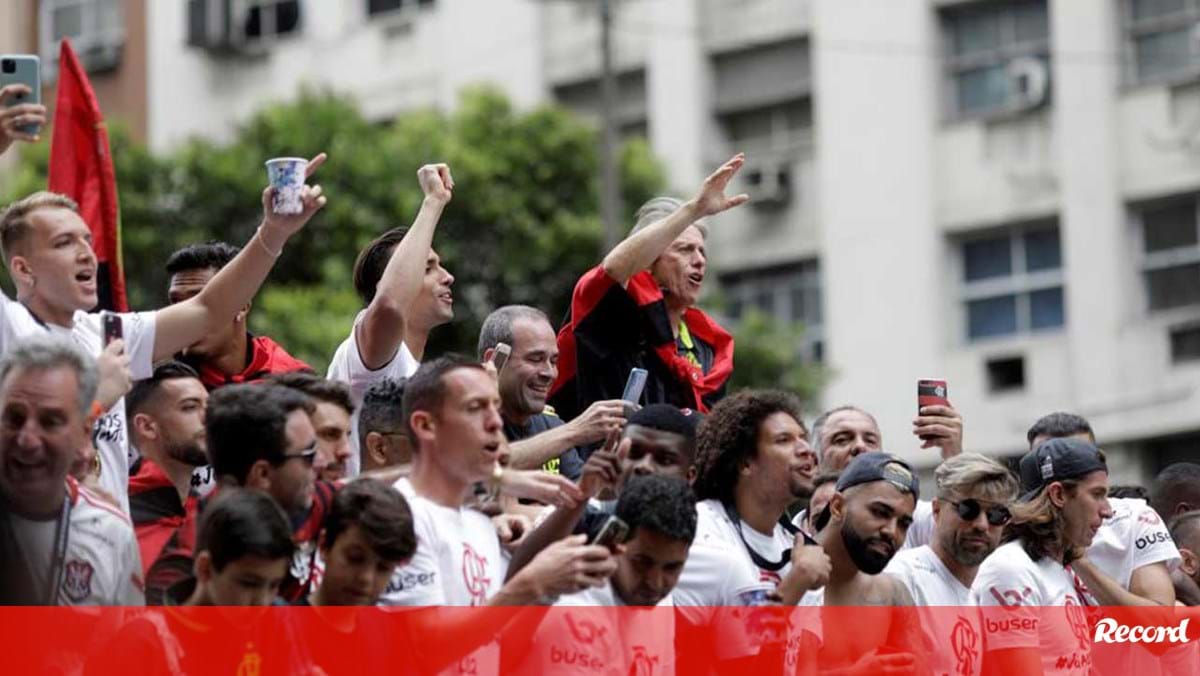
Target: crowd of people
<point x="188" y="462"/>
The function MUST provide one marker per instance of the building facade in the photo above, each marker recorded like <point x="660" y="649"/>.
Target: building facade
<point x="1001" y="193"/>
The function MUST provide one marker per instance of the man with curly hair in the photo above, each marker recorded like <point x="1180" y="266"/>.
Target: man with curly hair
<point x="752" y="461"/>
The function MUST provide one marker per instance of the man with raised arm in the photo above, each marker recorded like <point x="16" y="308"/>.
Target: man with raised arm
<point x="407" y="294"/>
<point x="638" y="309"/>
<point x="48" y="250"/>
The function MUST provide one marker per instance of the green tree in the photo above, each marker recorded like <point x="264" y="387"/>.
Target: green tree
<point x="767" y="354"/>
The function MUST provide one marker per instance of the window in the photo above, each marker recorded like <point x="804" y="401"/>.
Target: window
<point x="1161" y="39"/>
<point x="997" y="57"/>
<point x="1170" y="253"/>
<point x="376" y="7"/>
<point x="1185" y="343"/>
<point x="788" y="294"/>
<point x="266" y="19"/>
<point x="1006" y="374"/>
<point x="1013" y="282"/>
<point x="95" y="28"/>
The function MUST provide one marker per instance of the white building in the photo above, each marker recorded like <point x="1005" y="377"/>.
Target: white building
<point x="1000" y="193"/>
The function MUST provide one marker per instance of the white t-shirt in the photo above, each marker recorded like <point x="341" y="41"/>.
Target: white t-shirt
<point x="110" y="432"/>
<point x="458" y="560"/>
<point x="593" y="632"/>
<point x="959" y="631"/>
<point x="101" y="564"/>
<point x="921" y="531"/>
<point x="1134" y="536"/>
<point x="719" y="573"/>
<point x="1034" y="604"/>
<point x="347" y="367"/>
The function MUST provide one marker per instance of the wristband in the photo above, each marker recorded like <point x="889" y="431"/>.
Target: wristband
<point x="263" y="243"/>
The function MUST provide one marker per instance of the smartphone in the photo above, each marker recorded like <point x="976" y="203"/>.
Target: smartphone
<point x="23" y="69"/>
<point x="634" y="385"/>
<point x="931" y="392"/>
<point x="612" y="533"/>
<point x="112" y="328"/>
<point x="500" y="355"/>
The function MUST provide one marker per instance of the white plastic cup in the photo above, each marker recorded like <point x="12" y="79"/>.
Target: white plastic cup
<point x="286" y="175"/>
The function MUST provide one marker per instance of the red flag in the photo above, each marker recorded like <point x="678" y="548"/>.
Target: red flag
<point x="81" y="167"/>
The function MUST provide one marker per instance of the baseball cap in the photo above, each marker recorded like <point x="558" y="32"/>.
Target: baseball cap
<point x="668" y="418"/>
<point x="878" y="466"/>
<point x="1056" y="460"/>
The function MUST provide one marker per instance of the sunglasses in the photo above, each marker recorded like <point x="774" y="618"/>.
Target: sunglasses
<point x="308" y="455"/>
<point x="968" y="510"/>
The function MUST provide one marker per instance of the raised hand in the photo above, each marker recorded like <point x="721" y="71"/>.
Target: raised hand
<point x="544" y="487"/>
<point x="18" y="116"/>
<point x="436" y="182"/>
<point x="289" y="224"/>
<point x="711" y="199"/>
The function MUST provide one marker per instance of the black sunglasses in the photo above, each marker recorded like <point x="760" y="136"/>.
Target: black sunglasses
<point x="968" y="510"/>
<point x="308" y="455"/>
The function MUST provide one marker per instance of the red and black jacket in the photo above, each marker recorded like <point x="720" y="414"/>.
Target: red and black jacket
<point x="173" y="568"/>
<point x="611" y="330"/>
<point x="155" y="509"/>
<point x="264" y="357"/>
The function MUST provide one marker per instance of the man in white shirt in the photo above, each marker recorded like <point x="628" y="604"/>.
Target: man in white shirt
<point x="1129" y="561"/>
<point x="660" y="513"/>
<point x="71" y="547"/>
<point x="752" y="461"/>
<point x="1024" y="583"/>
<point x="970" y="511"/>
<point x="407" y="294"/>
<point x="452" y="416"/>
<point x="47" y="248"/>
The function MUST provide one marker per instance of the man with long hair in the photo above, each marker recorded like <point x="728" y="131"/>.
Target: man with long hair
<point x="1063" y="503"/>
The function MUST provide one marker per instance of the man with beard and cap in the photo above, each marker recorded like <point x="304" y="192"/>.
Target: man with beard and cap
<point x="1064" y="502"/>
<point x="537" y="436"/>
<point x="970" y="512"/>
<point x="166" y="425"/>
<point x="845" y="432"/>
<point x="864" y="527"/>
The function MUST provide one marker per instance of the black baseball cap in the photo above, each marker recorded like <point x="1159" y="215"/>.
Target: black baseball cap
<point x="878" y="466"/>
<point x="1057" y="460"/>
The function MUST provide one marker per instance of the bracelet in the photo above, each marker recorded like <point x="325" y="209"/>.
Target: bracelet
<point x="263" y="242"/>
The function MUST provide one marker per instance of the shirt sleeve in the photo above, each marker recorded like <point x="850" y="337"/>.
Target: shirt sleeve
<point x="1152" y="542"/>
<point x="1009" y="598"/>
<point x="139" y="331"/>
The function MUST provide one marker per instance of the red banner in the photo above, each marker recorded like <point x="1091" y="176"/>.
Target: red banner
<point x="81" y="167"/>
<point x="763" y="640"/>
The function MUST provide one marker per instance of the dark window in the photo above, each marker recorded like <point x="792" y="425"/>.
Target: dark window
<point x="1006" y="374"/>
<point x="1185" y="343"/>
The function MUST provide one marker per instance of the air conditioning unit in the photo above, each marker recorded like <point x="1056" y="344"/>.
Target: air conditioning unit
<point x="98" y="57"/>
<point x="768" y="182"/>
<point x="1029" y="83"/>
<point x="219" y="26"/>
<point x="210" y="25"/>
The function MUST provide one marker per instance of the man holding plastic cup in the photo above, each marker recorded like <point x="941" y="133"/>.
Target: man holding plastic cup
<point x="48" y="250"/>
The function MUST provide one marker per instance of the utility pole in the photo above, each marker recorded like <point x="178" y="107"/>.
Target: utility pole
<point x="610" y="192"/>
